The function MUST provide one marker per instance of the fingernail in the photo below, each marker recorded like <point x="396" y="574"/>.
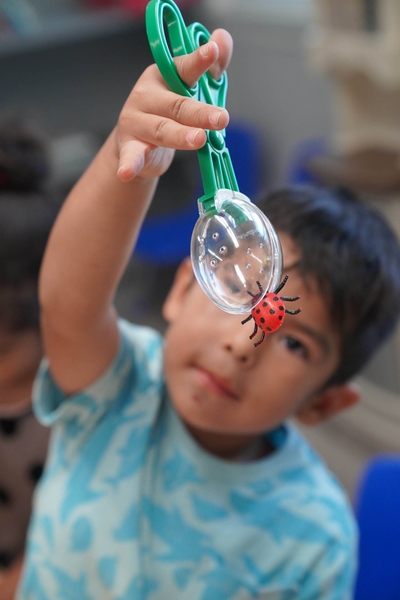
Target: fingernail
<point x="204" y="50"/>
<point x="192" y="135"/>
<point x="217" y="74"/>
<point x="123" y="173"/>
<point x="215" y="118"/>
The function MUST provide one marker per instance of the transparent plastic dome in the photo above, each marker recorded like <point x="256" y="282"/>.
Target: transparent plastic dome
<point x="234" y="249"/>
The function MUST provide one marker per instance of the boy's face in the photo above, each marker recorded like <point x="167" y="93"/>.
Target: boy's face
<point x="221" y="384"/>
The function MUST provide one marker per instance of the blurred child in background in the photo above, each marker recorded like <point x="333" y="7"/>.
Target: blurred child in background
<point x="27" y="212"/>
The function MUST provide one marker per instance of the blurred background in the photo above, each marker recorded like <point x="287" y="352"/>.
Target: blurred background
<point x="314" y="92"/>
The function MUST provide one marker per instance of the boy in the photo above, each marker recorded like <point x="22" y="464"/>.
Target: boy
<point x="173" y="473"/>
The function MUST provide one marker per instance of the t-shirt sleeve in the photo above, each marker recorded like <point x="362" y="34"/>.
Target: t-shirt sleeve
<point x="136" y="367"/>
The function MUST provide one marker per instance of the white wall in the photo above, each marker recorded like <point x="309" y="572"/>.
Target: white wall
<point x="269" y="80"/>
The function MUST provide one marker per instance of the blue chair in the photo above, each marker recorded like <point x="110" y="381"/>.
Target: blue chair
<point x="298" y="172"/>
<point x="377" y="506"/>
<point x="165" y="238"/>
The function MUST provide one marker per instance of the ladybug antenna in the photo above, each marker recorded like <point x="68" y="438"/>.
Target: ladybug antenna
<point x="280" y="286"/>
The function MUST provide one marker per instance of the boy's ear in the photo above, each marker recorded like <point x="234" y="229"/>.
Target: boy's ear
<point x="176" y="295"/>
<point x="328" y="403"/>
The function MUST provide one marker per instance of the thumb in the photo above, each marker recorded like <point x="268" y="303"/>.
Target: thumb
<point x="132" y="159"/>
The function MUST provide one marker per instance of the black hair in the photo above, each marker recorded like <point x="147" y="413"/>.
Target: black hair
<point x="352" y="254"/>
<point x="27" y="213"/>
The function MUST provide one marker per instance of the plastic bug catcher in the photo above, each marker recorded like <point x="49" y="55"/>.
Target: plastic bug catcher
<point x="234" y="248"/>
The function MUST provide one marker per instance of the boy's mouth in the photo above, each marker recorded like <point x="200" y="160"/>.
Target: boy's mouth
<point x="217" y="385"/>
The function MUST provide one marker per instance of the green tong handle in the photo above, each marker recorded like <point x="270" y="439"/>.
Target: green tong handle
<point x="214" y="158"/>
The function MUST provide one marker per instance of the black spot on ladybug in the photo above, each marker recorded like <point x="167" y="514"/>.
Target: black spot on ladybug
<point x="281" y="308"/>
<point x="269" y="329"/>
<point x="262" y="320"/>
<point x="258" y="311"/>
<point x="265" y="304"/>
<point x="8" y="426"/>
<point x="275" y="298"/>
<point x="4" y="496"/>
<point x="280" y="317"/>
<point x="271" y="311"/>
<point x="35" y="472"/>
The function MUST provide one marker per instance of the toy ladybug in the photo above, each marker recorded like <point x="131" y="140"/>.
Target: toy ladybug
<point x="269" y="314"/>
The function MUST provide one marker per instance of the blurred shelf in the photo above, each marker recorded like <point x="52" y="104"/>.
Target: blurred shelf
<point x="68" y="29"/>
<point x="282" y="12"/>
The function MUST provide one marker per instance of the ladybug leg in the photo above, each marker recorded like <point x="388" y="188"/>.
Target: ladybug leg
<point x="292" y="312"/>
<point x="291" y="299"/>
<point x="255" y="331"/>
<point x="260" y="341"/>
<point x="280" y="286"/>
<point x="259" y="287"/>
<point x="247" y="319"/>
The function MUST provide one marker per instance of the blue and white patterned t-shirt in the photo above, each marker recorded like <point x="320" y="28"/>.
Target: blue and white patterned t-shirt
<point x="131" y="508"/>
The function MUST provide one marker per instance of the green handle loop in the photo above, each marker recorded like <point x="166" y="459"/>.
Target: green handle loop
<point x="215" y="162"/>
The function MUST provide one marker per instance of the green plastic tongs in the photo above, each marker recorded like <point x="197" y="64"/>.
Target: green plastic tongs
<point x="235" y="251"/>
<point x="215" y="162"/>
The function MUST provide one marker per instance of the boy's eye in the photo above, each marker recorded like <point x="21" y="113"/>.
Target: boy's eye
<point x="295" y="346"/>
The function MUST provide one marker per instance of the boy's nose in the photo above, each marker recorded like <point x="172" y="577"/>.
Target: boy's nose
<point x="236" y="341"/>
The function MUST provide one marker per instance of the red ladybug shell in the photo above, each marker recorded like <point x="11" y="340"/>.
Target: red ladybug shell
<point x="269" y="313"/>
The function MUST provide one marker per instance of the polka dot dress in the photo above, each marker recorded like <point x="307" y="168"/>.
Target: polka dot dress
<point x="23" y="447"/>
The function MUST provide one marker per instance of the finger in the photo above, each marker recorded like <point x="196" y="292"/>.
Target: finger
<point x="224" y="41"/>
<point x="184" y="110"/>
<point x="154" y="130"/>
<point x="132" y="159"/>
<point x="191" y="66"/>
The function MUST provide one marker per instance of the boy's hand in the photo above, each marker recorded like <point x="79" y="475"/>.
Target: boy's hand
<point x="155" y="121"/>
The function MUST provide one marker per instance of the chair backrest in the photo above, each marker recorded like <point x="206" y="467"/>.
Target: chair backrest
<point x="377" y="506"/>
<point x="298" y="172"/>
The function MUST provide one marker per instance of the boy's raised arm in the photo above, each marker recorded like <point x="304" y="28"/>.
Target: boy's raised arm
<point x="96" y="230"/>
